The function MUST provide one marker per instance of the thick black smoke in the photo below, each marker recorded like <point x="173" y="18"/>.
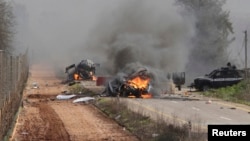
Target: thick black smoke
<point x="150" y="33"/>
<point x="159" y="34"/>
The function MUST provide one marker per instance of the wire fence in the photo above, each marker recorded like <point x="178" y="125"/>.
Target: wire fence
<point x="14" y="72"/>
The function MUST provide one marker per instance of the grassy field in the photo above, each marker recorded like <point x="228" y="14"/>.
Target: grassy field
<point x="239" y="93"/>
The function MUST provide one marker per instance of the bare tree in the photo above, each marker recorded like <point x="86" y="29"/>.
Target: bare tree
<point x="6" y="22"/>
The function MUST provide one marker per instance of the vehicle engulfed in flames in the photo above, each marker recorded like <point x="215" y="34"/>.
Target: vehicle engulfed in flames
<point x="135" y="85"/>
<point x="85" y="70"/>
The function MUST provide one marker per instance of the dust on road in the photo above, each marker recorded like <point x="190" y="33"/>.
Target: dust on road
<point x="43" y="117"/>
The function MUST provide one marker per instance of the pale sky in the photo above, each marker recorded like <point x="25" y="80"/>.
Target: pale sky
<point x="60" y="25"/>
<point x="240" y="17"/>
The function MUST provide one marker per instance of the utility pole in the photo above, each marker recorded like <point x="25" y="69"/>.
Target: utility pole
<point x="246" y="53"/>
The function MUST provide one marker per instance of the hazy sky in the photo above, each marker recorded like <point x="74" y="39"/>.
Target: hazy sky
<point x="61" y="27"/>
<point x="239" y="15"/>
<point x="53" y="28"/>
<point x="57" y="26"/>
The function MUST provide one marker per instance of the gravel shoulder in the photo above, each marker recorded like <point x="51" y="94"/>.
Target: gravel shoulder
<point x="43" y="117"/>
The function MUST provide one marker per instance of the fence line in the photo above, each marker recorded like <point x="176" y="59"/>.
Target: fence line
<point x="14" y="72"/>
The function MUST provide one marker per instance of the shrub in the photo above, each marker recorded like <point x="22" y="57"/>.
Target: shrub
<point x="236" y="93"/>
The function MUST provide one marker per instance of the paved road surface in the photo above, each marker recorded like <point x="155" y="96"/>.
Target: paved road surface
<point x="200" y="111"/>
<point x="183" y="107"/>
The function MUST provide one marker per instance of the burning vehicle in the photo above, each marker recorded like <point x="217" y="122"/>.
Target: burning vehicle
<point x="134" y="85"/>
<point x="85" y="70"/>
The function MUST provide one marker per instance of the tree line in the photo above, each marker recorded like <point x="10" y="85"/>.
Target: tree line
<point x="6" y="24"/>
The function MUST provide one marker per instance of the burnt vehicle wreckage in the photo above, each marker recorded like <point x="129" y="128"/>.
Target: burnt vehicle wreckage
<point x="137" y="84"/>
<point x="85" y="70"/>
<point x="134" y="84"/>
<point x="218" y="78"/>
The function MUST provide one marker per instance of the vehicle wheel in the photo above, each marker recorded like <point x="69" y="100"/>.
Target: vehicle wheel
<point x="205" y="88"/>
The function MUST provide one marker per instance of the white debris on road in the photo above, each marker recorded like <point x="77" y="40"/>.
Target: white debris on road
<point x="209" y="101"/>
<point x="83" y="99"/>
<point x="35" y="85"/>
<point x="65" y="97"/>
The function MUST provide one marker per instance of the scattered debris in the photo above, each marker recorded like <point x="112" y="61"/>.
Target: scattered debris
<point x="35" y="85"/>
<point x="155" y="135"/>
<point x="209" y="101"/>
<point x="117" y="117"/>
<point x="83" y="99"/>
<point x="24" y="133"/>
<point x="65" y="97"/>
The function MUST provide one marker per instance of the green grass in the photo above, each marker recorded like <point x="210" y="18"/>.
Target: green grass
<point x="239" y="93"/>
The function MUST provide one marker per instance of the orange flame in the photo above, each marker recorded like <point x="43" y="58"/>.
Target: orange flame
<point x="146" y="96"/>
<point x="94" y="78"/>
<point x="76" y="76"/>
<point x="131" y="96"/>
<point x="139" y="82"/>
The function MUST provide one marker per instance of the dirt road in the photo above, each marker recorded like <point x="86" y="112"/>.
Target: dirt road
<point x="43" y="117"/>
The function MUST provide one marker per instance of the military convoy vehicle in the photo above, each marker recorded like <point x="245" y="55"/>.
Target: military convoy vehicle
<point x="218" y="78"/>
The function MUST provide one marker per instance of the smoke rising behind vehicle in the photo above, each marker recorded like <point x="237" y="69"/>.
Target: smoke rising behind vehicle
<point x="114" y="33"/>
<point x="145" y="33"/>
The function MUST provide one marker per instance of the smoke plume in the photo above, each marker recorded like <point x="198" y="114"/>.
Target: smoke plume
<point x="211" y="39"/>
<point x="158" y="35"/>
<point x="152" y="34"/>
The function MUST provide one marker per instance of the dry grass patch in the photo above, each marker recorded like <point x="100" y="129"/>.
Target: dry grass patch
<point x="145" y="128"/>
